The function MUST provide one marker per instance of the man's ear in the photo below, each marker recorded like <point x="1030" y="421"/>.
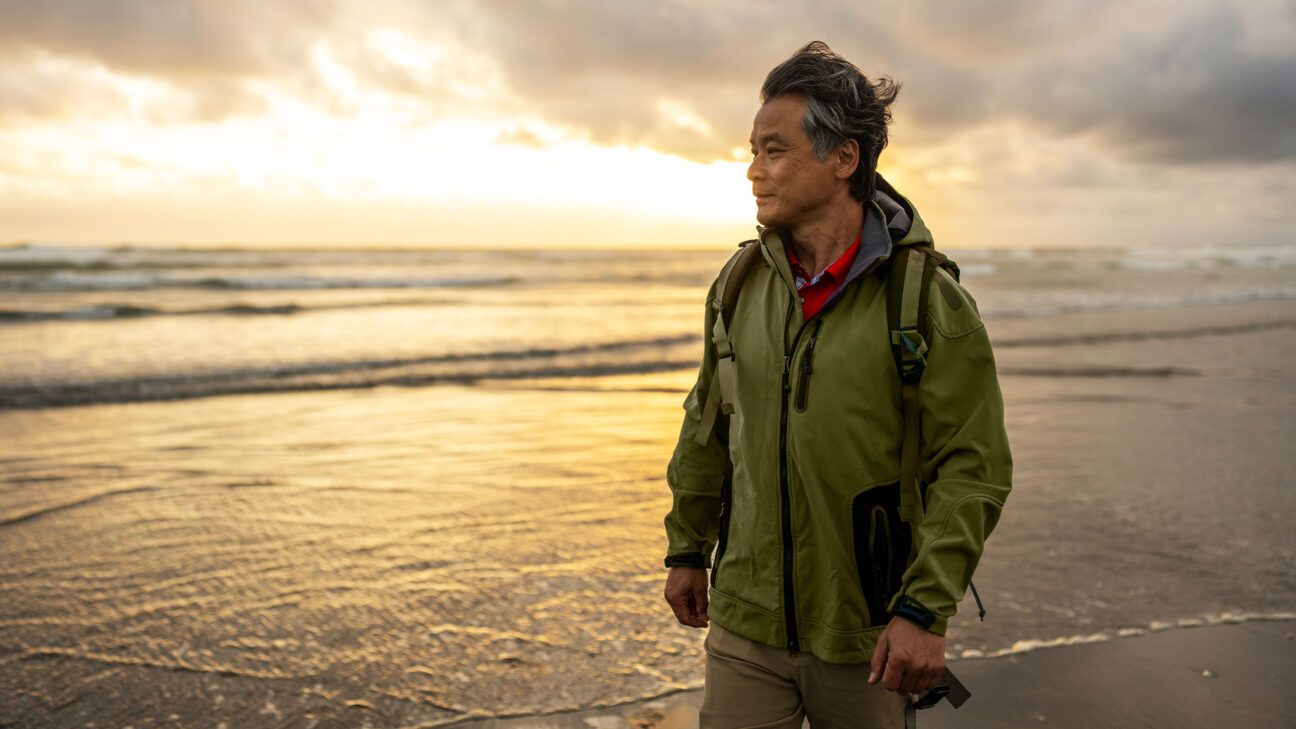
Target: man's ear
<point x="847" y="158"/>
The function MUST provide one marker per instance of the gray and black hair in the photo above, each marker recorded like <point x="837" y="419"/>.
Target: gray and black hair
<point x="841" y="104"/>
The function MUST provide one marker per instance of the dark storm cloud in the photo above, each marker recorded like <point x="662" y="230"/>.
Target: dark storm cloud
<point x="1173" y="83"/>
<point x="205" y="51"/>
<point x="166" y="39"/>
<point x="604" y="67"/>
<point x="982" y="33"/>
<point x="1194" y="96"/>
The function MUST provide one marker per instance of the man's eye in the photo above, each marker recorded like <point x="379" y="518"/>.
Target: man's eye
<point x="775" y="150"/>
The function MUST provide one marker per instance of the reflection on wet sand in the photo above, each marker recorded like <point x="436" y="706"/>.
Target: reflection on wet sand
<point x="434" y="553"/>
<point x="426" y="552"/>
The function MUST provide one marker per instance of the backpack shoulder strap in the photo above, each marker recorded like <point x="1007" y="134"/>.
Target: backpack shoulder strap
<point x="728" y="286"/>
<point x="908" y="279"/>
<point x="908" y="282"/>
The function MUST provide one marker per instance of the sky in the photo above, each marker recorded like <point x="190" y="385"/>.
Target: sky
<point x="529" y="123"/>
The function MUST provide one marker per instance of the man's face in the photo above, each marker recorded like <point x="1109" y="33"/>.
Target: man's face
<point x="791" y="185"/>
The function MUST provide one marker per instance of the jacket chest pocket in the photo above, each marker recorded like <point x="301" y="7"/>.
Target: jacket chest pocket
<point x="882" y="543"/>
<point x="807" y="367"/>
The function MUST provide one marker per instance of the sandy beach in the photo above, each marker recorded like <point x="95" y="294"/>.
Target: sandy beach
<point x="1216" y="676"/>
<point x="416" y="550"/>
<point x="345" y="347"/>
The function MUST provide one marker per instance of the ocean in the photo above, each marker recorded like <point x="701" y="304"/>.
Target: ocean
<point x="388" y="487"/>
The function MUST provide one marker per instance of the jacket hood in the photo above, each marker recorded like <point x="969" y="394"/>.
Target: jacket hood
<point x="903" y="222"/>
<point x="890" y="221"/>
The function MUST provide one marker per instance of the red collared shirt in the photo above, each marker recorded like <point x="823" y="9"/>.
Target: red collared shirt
<point x="815" y="291"/>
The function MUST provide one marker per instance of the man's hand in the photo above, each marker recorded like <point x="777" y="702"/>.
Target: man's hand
<point x="909" y="659"/>
<point x="686" y="591"/>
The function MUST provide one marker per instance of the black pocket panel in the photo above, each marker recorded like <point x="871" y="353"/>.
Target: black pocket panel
<point x="882" y="543"/>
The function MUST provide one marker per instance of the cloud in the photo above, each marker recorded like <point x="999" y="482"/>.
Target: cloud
<point x="217" y="59"/>
<point x="987" y="34"/>
<point x="55" y="90"/>
<point x="1194" y="95"/>
<point x="191" y="61"/>
<point x="685" y="78"/>
<point x="177" y="40"/>
<point x="1165" y="84"/>
<point x="52" y="90"/>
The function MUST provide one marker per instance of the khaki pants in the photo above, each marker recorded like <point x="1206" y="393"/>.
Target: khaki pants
<point x="750" y="685"/>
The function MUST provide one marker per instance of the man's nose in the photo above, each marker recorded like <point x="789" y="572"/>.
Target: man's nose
<point x="754" y="170"/>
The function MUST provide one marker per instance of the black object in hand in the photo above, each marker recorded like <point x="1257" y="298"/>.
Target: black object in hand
<point x="931" y="697"/>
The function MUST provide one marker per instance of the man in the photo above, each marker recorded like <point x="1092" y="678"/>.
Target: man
<point x="822" y="603"/>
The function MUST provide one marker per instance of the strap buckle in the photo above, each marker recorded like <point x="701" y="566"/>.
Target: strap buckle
<point x="720" y="336"/>
<point x="913" y="352"/>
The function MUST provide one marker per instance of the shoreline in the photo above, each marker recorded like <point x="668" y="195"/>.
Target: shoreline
<point x="422" y="557"/>
<point x="1229" y="673"/>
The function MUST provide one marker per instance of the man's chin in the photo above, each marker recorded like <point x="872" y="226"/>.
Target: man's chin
<point x="767" y="217"/>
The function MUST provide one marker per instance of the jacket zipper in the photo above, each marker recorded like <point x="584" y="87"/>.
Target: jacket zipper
<point x="785" y="501"/>
<point x="726" y="505"/>
<point x="789" y="599"/>
<point x="807" y="366"/>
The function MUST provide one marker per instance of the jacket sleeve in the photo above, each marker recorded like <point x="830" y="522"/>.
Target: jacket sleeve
<point x="966" y="459"/>
<point x="696" y="472"/>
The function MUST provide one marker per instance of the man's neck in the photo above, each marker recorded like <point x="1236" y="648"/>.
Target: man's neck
<point x="823" y="240"/>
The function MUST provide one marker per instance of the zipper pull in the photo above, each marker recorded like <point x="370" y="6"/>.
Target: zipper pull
<point x="810" y="348"/>
<point x="787" y="363"/>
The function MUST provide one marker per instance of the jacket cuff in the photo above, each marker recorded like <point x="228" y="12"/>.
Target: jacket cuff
<point x="686" y="559"/>
<point x="910" y="609"/>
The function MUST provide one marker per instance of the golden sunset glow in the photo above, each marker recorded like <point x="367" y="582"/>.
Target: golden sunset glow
<point x="380" y="158"/>
<point x="498" y="124"/>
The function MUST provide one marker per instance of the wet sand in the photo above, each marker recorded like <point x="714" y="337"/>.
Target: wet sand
<point x="1207" y="677"/>
<point x="425" y="556"/>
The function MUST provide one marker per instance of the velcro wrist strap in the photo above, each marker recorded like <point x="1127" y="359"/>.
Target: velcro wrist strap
<point x="687" y="559"/>
<point x="910" y="609"/>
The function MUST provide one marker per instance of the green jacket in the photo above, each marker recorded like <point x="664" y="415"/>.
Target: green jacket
<point x="810" y="552"/>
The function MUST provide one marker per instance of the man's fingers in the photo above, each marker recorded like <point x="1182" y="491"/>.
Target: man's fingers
<point x="908" y="659"/>
<point x="879" y="658"/>
<point x="935" y="677"/>
<point x="909" y="682"/>
<point x="893" y="675"/>
<point x="686" y="593"/>
<point x="677" y="606"/>
<point x="690" y="612"/>
<point x="921" y="681"/>
<point x="685" y="612"/>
